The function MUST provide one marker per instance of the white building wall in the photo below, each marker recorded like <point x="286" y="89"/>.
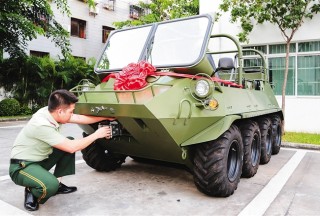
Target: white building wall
<point x="302" y="113"/>
<point x="92" y="45"/>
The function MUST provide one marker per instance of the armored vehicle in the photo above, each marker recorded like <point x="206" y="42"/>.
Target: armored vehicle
<point x="176" y="98"/>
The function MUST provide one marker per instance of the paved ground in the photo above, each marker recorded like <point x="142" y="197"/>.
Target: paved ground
<point x="287" y="185"/>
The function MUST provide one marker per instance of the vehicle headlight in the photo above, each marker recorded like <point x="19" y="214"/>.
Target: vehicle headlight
<point x="202" y="88"/>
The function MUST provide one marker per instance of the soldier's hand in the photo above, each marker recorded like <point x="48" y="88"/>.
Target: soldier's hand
<point x="104" y="132"/>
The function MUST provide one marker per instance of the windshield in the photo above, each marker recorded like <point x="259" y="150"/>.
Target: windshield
<point x="171" y="44"/>
<point x="123" y="47"/>
<point x="179" y="43"/>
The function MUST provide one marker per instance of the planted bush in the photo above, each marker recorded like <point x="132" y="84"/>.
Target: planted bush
<point x="9" y="107"/>
<point x="31" y="79"/>
<point x="25" y="110"/>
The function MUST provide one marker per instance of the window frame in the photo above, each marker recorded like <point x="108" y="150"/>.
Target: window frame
<point x="78" y="28"/>
<point x="40" y="54"/>
<point x="106" y="32"/>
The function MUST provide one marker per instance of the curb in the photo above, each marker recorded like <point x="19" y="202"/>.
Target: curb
<point x="300" y="146"/>
<point x="15" y="119"/>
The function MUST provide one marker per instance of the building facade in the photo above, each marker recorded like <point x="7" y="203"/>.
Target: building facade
<point x="303" y="85"/>
<point x="88" y="27"/>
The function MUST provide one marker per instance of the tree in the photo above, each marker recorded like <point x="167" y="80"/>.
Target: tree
<point x="160" y="10"/>
<point x="287" y="15"/>
<point x="31" y="79"/>
<point x="24" y="20"/>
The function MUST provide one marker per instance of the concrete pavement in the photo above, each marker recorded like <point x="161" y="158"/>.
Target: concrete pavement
<point x="156" y="184"/>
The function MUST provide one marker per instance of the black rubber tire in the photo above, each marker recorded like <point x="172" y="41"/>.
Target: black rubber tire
<point x="276" y="134"/>
<point x="266" y="142"/>
<point x="97" y="158"/>
<point x="218" y="164"/>
<point x="251" y="138"/>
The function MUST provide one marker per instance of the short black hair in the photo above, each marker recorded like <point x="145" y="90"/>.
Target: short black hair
<point x="61" y="97"/>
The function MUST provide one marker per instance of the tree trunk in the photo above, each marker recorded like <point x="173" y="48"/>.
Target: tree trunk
<point x="283" y="106"/>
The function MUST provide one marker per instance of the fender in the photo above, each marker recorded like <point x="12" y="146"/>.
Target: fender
<point x="212" y="132"/>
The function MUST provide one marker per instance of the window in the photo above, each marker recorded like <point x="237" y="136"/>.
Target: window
<point x="42" y="20"/>
<point x="281" y="48"/>
<point x="39" y="54"/>
<point x="252" y="62"/>
<point x="304" y="67"/>
<point x="105" y="33"/>
<point x="78" y="28"/>
<point x="135" y="11"/>
<point x="252" y="59"/>
<point x="276" y="73"/>
<point x="309" y="46"/>
<point x="309" y="75"/>
<point x="80" y="57"/>
<point x="262" y="49"/>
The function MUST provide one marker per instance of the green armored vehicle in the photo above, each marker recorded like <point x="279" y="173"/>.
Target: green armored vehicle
<point x="176" y="98"/>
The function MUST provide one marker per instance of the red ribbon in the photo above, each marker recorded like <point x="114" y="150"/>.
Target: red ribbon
<point x="133" y="76"/>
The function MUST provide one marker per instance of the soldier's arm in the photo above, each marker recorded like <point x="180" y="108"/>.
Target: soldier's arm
<point x="72" y="146"/>
<point x="84" y="119"/>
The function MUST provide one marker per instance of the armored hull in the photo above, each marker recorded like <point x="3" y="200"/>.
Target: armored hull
<point x="176" y="105"/>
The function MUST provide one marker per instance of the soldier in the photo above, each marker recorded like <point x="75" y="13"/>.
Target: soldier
<point x="40" y="146"/>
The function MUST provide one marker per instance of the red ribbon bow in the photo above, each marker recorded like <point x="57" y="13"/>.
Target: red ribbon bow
<point x="132" y="77"/>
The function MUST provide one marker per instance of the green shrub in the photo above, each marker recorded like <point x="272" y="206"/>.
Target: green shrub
<point x="9" y="107"/>
<point x="35" y="108"/>
<point x="25" y="110"/>
<point x="30" y="80"/>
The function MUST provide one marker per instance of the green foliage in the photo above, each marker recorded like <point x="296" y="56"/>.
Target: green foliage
<point x="22" y="21"/>
<point x="31" y="79"/>
<point x="35" y="108"/>
<point x="9" y="107"/>
<point x="183" y="8"/>
<point x="302" y="138"/>
<point x="25" y="110"/>
<point x="71" y="70"/>
<point x="160" y="10"/>
<point x="287" y="15"/>
<point x="28" y="78"/>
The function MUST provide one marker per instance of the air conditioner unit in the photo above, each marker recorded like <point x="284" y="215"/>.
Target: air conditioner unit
<point x="93" y="11"/>
<point x="106" y="6"/>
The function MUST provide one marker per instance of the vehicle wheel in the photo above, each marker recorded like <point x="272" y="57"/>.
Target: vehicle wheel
<point x="251" y="138"/>
<point x="266" y="143"/>
<point x="97" y="158"/>
<point x="218" y="164"/>
<point x="276" y="134"/>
